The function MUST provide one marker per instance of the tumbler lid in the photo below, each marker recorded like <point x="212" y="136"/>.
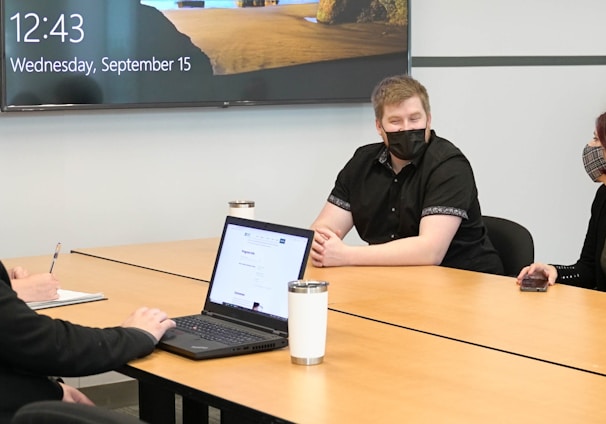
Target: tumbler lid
<point x="242" y="204"/>
<point x="307" y="286"/>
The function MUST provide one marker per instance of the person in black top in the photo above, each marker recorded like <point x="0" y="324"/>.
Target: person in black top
<point x="590" y="270"/>
<point x="36" y="346"/>
<point x="412" y="198"/>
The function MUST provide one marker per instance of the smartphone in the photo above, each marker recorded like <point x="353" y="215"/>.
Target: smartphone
<point x="535" y="284"/>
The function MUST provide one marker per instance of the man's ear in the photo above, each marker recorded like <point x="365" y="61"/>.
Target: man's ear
<point x="379" y="127"/>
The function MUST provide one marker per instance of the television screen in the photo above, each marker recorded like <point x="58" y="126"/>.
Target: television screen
<point x="61" y="54"/>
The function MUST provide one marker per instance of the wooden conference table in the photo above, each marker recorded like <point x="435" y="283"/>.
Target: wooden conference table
<point x="564" y="326"/>
<point x="372" y="372"/>
<point x="187" y="258"/>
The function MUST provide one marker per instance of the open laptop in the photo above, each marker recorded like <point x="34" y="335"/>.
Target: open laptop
<point x="248" y="293"/>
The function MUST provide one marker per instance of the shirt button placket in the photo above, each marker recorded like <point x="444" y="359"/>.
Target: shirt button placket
<point x="393" y="209"/>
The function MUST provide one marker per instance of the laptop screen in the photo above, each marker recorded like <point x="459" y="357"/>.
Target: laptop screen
<point x="254" y="266"/>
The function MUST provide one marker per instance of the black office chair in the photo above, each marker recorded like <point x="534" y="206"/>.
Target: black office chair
<point x="57" y="412"/>
<point x="513" y="243"/>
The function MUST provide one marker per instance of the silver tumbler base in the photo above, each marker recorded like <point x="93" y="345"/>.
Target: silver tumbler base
<point x="306" y="361"/>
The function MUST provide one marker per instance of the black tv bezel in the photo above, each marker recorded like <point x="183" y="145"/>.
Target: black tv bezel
<point x="5" y="107"/>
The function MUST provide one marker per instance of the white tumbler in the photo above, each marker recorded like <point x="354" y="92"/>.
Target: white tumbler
<point x="307" y="316"/>
<point x="242" y="208"/>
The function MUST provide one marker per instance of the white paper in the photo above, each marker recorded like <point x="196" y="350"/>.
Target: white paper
<point x="67" y="297"/>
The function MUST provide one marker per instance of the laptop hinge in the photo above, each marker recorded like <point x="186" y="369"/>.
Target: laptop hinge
<point x="247" y="324"/>
<point x="280" y="333"/>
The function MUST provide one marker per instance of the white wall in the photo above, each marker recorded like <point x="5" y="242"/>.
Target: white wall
<point x="127" y="176"/>
<point x="523" y="128"/>
<point x="103" y="178"/>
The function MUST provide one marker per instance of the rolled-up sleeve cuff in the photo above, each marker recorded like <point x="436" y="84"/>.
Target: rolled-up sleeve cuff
<point x="338" y="202"/>
<point x="444" y="210"/>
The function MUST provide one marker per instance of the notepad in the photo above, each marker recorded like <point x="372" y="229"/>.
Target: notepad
<point x="67" y="297"/>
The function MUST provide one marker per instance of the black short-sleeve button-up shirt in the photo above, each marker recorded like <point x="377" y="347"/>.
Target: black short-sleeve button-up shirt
<point x="386" y="206"/>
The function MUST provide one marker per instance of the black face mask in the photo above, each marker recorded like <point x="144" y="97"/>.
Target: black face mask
<point x="406" y="145"/>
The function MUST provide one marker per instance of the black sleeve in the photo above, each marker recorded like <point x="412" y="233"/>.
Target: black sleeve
<point x="451" y="189"/>
<point x="39" y="345"/>
<point x="340" y="195"/>
<point x="355" y="173"/>
<point x="582" y="273"/>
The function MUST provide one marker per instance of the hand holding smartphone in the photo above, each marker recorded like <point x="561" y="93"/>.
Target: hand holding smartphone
<point x="534" y="283"/>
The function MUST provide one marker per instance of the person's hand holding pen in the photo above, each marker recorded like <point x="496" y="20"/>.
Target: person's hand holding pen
<point x="35" y="287"/>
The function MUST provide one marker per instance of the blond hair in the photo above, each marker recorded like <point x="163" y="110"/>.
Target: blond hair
<point x="396" y="89"/>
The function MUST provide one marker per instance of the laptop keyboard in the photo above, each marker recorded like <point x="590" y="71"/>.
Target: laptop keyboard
<point x="215" y="332"/>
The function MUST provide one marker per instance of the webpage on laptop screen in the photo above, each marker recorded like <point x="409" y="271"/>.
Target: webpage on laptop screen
<point x="254" y="269"/>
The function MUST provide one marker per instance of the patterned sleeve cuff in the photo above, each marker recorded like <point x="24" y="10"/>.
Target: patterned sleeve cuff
<point x="340" y="203"/>
<point x="444" y="210"/>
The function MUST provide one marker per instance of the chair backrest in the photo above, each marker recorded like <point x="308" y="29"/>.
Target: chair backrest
<point x="513" y="243"/>
<point x="57" y="412"/>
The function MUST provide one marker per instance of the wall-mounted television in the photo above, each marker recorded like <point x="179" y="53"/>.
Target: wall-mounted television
<point x="92" y="54"/>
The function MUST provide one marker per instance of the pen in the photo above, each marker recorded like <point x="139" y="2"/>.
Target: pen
<point x="57" y="249"/>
